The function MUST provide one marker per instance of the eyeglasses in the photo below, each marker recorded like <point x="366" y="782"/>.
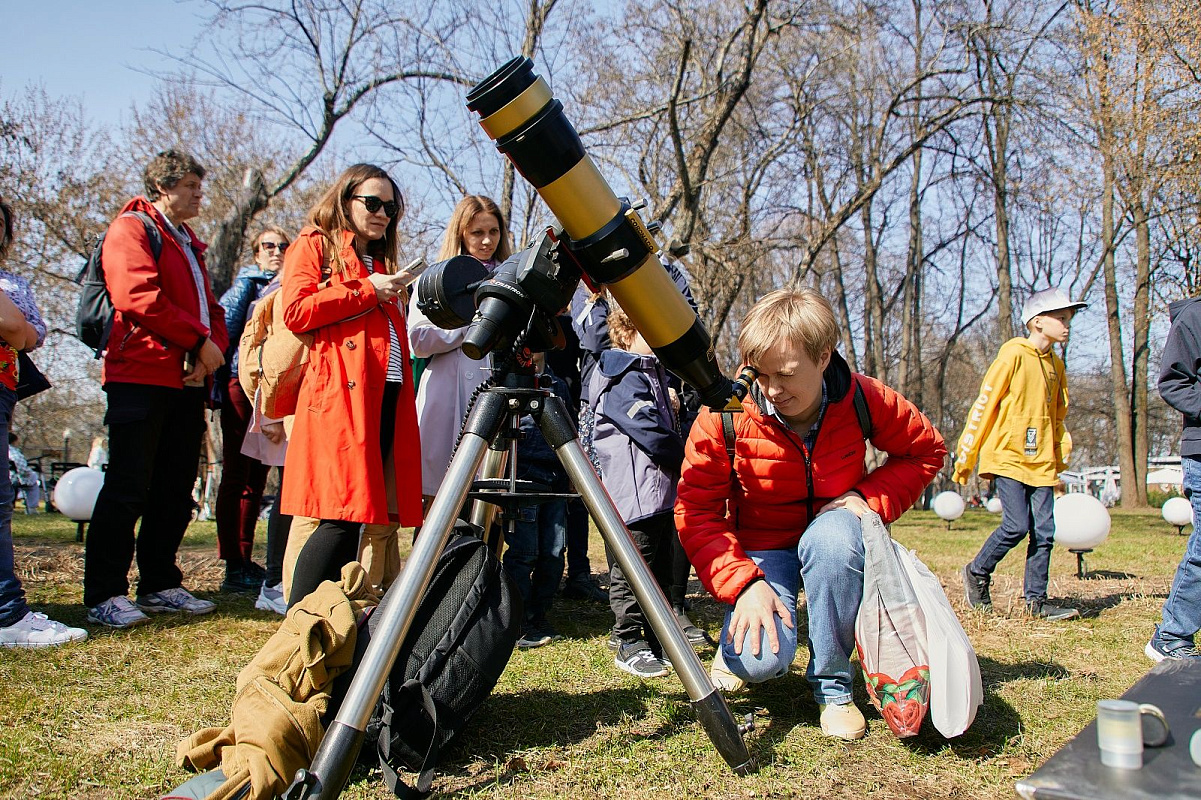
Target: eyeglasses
<point x="273" y="246"/>
<point x="374" y="204"/>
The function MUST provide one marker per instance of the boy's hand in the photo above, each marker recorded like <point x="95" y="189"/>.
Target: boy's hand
<point x="851" y="501"/>
<point x="756" y="610"/>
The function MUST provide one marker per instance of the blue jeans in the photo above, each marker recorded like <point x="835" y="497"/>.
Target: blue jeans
<point x="12" y="596"/>
<point x="1024" y="510"/>
<point x="1182" y="609"/>
<point x="829" y="558"/>
<point x="534" y="556"/>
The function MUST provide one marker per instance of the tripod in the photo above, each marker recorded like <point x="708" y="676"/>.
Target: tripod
<point x="515" y="393"/>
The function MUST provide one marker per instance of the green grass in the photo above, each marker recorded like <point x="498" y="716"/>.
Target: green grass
<point x="101" y="719"/>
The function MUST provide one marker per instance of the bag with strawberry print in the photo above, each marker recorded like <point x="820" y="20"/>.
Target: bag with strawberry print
<point x="890" y="634"/>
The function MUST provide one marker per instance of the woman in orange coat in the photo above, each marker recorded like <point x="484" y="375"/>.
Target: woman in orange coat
<point x="354" y="454"/>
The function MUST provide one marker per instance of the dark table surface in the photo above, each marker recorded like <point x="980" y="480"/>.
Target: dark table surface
<point x="1168" y="773"/>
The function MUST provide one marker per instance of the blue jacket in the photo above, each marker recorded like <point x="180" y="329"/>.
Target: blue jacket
<point x="637" y="439"/>
<point x="246" y="288"/>
<point x="590" y="321"/>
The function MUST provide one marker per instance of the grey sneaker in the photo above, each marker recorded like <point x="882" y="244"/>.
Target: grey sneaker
<point x="177" y="599"/>
<point x="38" y="630"/>
<point x="1157" y="651"/>
<point x="1044" y="610"/>
<point x="975" y="589"/>
<point x="271" y="598"/>
<point x="117" y="612"/>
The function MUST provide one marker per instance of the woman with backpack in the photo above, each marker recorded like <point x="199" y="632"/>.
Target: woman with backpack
<point x="353" y="453"/>
<point x="240" y="493"/>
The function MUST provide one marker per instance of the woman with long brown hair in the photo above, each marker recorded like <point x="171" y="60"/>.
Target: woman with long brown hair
<point x="476" y="228"/>
<point x="354" y="454"/>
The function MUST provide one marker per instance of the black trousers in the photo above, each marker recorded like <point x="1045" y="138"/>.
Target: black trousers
<point x="335" y="543"/>
<point x="652" y="536"/>
<point x="154" y="435"/>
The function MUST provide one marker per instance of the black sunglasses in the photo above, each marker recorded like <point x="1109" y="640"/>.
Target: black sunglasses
<point x="374" y="204"/>
<point x="272" y="246"/>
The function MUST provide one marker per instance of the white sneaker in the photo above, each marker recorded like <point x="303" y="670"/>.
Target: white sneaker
<point x="177" y="599"/>
<point x="117" y="612"/>
<point x="271" y="598"/>
<point x="37" y="630"/>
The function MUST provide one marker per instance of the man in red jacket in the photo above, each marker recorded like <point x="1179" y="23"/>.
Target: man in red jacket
<point x="168" y="336"/>
<point x="788" y="506"/>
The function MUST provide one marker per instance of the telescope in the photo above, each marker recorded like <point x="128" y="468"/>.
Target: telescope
<point x="511" y="313"/>
<point x="602" y="233"/>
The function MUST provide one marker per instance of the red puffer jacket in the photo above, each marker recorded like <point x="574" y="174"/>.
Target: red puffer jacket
<point x="157" y="317"/>
<point x="779" y="487"/>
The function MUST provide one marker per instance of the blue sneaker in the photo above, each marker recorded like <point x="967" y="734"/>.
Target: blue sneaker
<point x="1157" y="651"/>
<point x="177" y="599"/>
<point x="117" y="612"/>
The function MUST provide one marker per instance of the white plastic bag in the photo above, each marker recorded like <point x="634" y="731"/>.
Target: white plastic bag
<point x="955" y="689"/>
<point x="890" y="633"/>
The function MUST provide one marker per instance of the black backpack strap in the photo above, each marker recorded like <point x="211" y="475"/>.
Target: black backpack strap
<point x="425" y="779"/>
<point x="152" y="232"/>
<point x="727" y="429"/>
<point x="862" y="412"/>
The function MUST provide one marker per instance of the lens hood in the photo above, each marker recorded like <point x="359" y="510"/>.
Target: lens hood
<point x="446" y="291"/>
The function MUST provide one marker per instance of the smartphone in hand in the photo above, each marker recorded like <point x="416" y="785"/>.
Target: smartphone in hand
<point x="411" y="271"/>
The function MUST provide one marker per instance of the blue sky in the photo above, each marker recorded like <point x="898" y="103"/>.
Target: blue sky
<point x="93" y="49"/>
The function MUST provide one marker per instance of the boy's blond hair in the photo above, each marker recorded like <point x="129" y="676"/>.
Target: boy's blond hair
<point x="621" y="329"/>
<point x="801" y="317"/>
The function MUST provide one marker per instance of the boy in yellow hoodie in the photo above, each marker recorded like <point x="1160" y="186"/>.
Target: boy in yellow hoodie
<point x="1016" y="429"/>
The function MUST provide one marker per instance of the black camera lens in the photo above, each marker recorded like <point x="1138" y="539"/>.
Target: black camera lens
<point x="446" y="291"/>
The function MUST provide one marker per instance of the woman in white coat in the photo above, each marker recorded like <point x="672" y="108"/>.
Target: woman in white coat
<point x="477" y="228"/>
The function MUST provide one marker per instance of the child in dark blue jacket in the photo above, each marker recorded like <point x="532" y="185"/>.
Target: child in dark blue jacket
<point x="640" y="449"/>
<point x="534" y="554"/>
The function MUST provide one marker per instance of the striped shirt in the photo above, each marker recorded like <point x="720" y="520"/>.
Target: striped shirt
<point x="396" y="364"/>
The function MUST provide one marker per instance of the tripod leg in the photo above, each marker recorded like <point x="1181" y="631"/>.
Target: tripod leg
<point x="336" y="756"/>
<point x="710" y="706"/>
<point x="483" y="514"/>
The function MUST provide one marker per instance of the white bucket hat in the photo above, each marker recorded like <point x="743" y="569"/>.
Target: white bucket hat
<point x="1048" y="300"/>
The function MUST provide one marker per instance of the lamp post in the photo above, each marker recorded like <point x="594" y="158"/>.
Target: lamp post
<point x="67" y="446"/>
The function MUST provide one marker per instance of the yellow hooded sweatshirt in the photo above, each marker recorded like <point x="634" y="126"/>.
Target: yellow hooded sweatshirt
<point x="1016" y="424"/>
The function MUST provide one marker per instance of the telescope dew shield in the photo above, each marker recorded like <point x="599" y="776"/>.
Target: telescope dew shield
<point x="604" y="235"/>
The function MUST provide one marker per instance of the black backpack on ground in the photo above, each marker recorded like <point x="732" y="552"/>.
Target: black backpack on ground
<point x="94" y="315"/>
<point x="461" y="639"/>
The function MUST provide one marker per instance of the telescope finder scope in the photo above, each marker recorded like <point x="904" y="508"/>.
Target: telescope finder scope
<point x="604" y="235"/>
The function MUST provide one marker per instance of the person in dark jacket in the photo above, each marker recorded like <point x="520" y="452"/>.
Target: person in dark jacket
<point x="240" y="493"/>
<point x="640" y="449"/>
<point x="1180" y="388"/>
<point x="168" y="338"/>
<point x="534" y="556"/>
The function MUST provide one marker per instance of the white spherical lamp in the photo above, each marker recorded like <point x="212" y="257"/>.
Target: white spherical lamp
<point x="993" y="505"/>
<point x="1081" y="521"/>
<point x="948" y="506"/>
<point x="76" y="492"/>
<point x="1178" y="511"/>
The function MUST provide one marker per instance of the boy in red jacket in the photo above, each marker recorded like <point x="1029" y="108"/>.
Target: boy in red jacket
<point x="788" y="507"/>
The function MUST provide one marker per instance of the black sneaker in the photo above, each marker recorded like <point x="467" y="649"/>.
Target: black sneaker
<point x="536" y="634"/>
<point x="582" y="586"/>
<point x="1157" y="651"/>
<point x="238" y="580"/>
<point x="975" y="589"/>
<point x="696" y="637"/>
<point x="255" y="571"/>
<point x="1044" y="610"/>
<point x="637" y="659"/>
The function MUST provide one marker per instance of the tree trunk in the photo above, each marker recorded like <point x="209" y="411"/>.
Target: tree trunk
<point x="221" y="259"/>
